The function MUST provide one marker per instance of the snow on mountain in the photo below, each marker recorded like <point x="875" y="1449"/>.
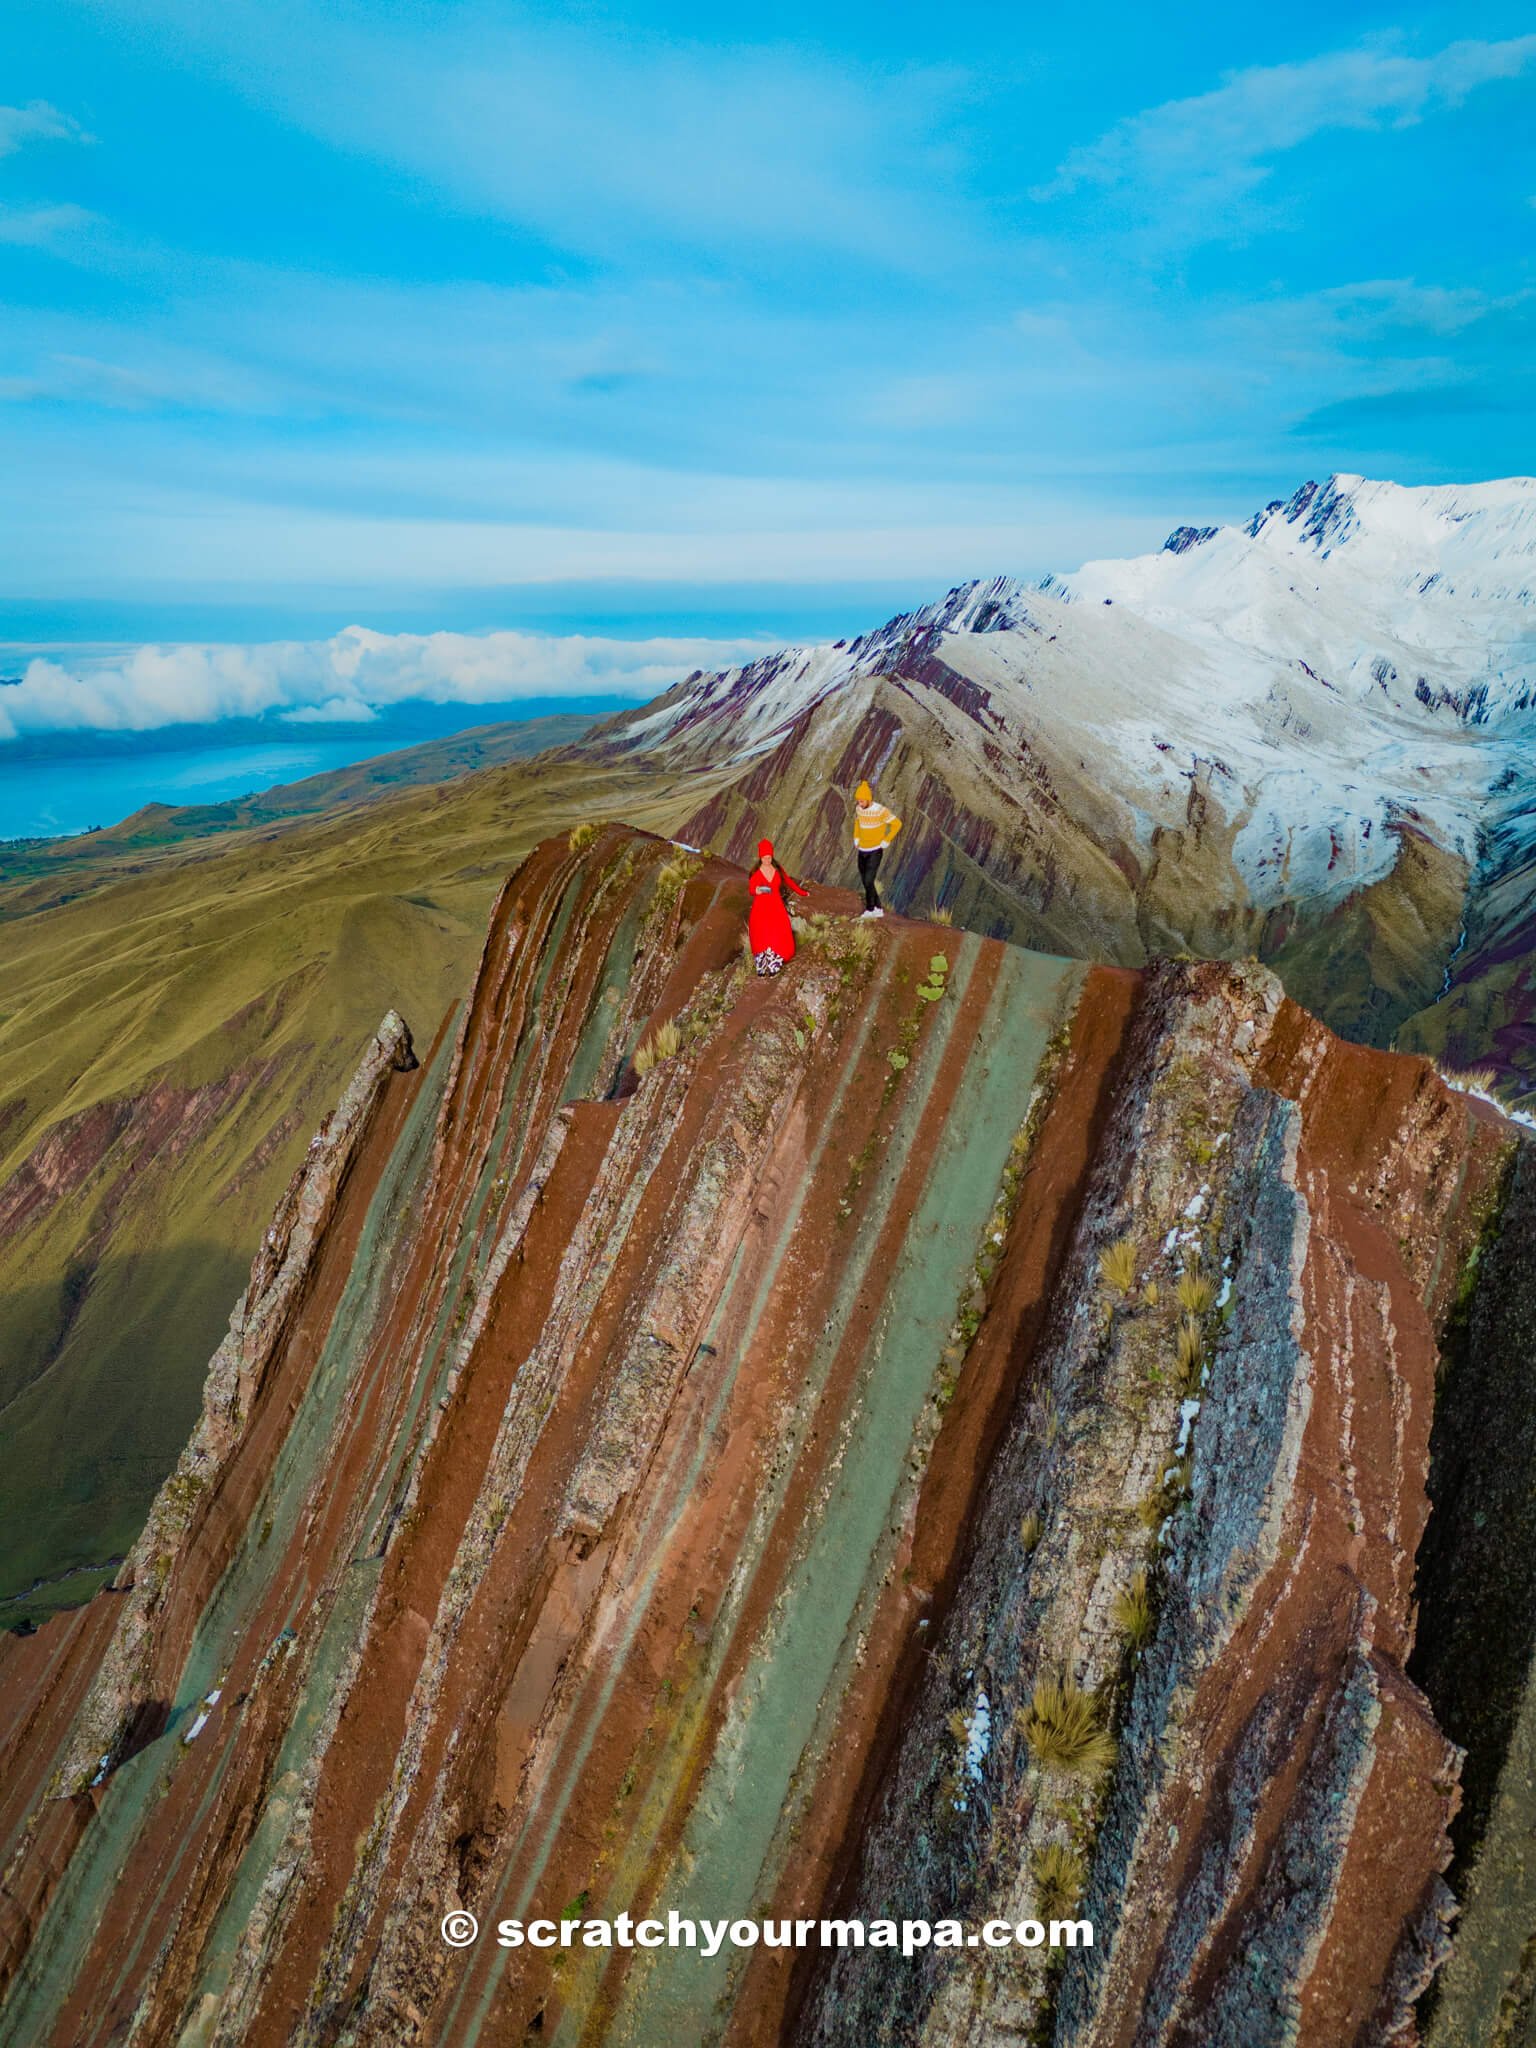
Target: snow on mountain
<point x="1358" y="659"/>
<point x="1379" y="588"/>
<point x="763" y="698"/>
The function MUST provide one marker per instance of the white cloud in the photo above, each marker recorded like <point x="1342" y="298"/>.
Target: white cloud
<point x="868" y="533"/>
<point x="334" y="711"/>
<point x="618" y="145"/>
<point x="37" y="122"/>
<point x="1369" y="312"/>
<point x="351" y="676"/>
<point x="1213" y="146"/>
<point x="1380" y="305"/>
<point x="45" y="227"/>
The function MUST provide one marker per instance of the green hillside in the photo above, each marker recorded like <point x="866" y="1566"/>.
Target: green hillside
<point x="175" y="1020"/>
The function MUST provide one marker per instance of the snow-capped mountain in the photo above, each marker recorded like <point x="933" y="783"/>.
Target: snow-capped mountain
<point x="1373" y="582"/>
<point x="1323" y="717"/>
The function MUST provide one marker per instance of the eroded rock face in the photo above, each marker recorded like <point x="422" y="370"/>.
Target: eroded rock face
<point x="671" y="1436"/>
<point x="1267" y="1850"/>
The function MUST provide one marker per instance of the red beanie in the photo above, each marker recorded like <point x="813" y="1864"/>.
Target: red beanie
<point x="765" y="849"/>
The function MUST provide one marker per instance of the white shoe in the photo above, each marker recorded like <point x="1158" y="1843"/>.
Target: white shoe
<point x="865" y="915"/>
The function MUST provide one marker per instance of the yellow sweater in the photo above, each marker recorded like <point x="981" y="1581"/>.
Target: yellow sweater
<point x="873" y="825"/>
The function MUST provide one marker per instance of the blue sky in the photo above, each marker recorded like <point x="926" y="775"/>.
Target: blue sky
<point x="461" y="315"/>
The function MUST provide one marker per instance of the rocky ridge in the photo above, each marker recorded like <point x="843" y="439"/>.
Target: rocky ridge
<point x="660" y="1417"/>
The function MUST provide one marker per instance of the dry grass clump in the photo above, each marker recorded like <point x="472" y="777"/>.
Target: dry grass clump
<point x="1065" y="1730"/>
<point x="1060" y="1874"/>
<point x="1189" y="1351"/>
<point x="582" y="835"/>
<point x="941" y="917"/>
<point x="1484" y="1079"/>
<point x="861" y="944"/>
<point x="675" y="873"/>
<point x="1031" y="1529"/>
<point x="663" y="1044"/>
<point x="1133" y="1615"/>
<point x="1167" y="1497"/>
<point x="1117" y="1265"/>
<point x="1195" y="1292"/>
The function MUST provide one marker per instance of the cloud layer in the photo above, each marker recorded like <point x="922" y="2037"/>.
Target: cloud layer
<point x="456" y="294"/>
<point x="36" y="122"/>
<point x="351" y="677"/>
<point x="1217" y="143"/>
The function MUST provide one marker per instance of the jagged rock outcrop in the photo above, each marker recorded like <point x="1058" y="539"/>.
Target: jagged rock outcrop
<point x="672" y="1440"/>
<point x="1269" y="1845"/>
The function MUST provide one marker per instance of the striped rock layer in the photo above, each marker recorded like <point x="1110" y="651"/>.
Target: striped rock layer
<point x="677" y="1425"/>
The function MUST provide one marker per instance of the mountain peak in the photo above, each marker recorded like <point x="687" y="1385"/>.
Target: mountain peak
<point x="987" y="604"/>
<point x="1486" y="522"/>
<point x="1183" y="538"/>
<point x="1444" y="573"/>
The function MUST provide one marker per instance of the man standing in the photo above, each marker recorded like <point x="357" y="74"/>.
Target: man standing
<point x="874" y="827"/>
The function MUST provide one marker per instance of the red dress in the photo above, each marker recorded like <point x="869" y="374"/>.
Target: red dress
<point x="768" y="926"/>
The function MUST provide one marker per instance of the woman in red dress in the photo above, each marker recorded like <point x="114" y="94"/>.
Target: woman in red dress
<point x="769" y="932"/>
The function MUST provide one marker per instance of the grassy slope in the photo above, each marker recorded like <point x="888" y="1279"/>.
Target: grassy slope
<point x="268" y="955"/>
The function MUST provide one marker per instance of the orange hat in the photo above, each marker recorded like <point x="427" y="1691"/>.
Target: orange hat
<point x="863" y="793"/>
<point x="765" y="849"/>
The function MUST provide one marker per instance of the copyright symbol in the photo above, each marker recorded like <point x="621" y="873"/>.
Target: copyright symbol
<point x="460" y="1929"/>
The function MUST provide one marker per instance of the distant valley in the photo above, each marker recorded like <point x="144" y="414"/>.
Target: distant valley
<point x="242" y="771"/>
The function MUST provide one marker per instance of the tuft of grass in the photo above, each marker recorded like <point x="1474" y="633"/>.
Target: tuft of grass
<point x="1132" y="1611"/>
<point x="1065" y="1730"/>
<point x="1060" y="1875"/>
<point x="1194" y="1291"/>
<point x="1151" y="1294"/>
<point x="1031" y="1529"/>
<point x="945" y="917"/>
<point x="1167" y="1497"/>
<point x="1152" y="1508"/>
<point x="1117" y="1265"/>
<point x="861" y="944"/>
<point x="664" y="1043"/>
<point x="1189" y="1352"/>
<point x="674" y="874"/>
<point x="582" y="835"/>
<point x="1478" y="1080"/>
